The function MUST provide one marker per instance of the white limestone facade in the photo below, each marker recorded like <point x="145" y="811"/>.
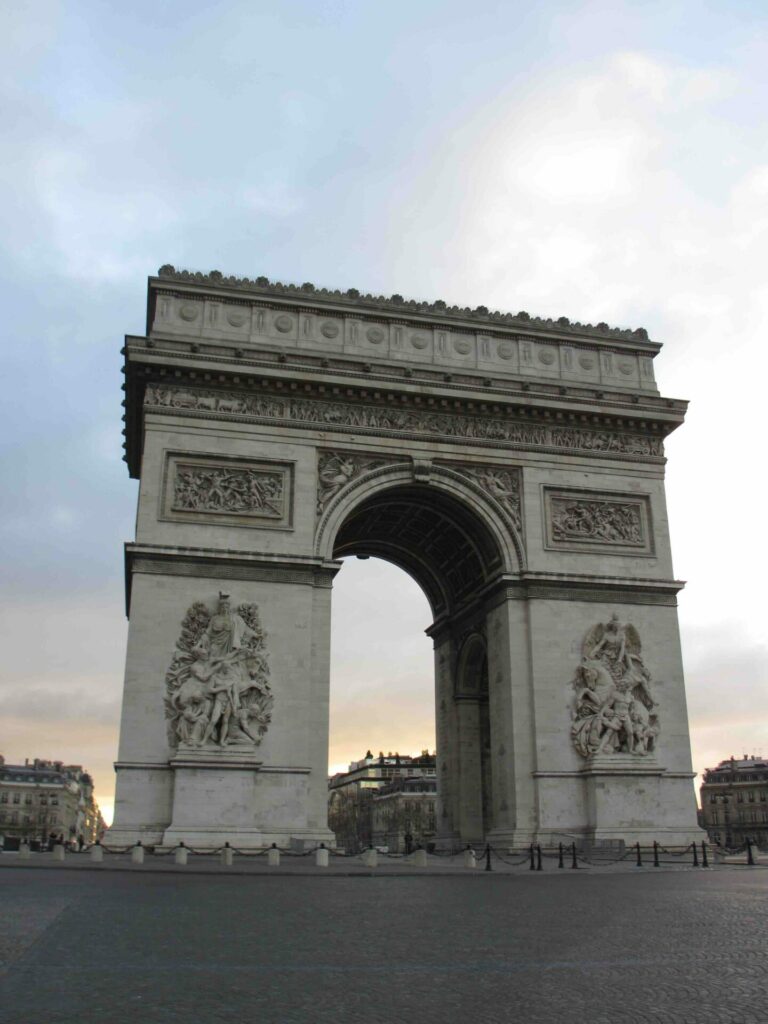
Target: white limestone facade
<point x="514" y="467"/>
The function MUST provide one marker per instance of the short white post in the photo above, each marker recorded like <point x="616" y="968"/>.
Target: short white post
<point x="24" y="851"/>
<point x="227" y="855"/>
<point x="273" y="857"/>
<point x="470" y="861"/>
<point x="180" y="855"/>
<point x="97" y="854"/>
<point x="370" y="857"/>
<point x="58" y="851"/>
<point x="321" y="856"/>
<point x="419" y="858"/>
<point x="137" y="854"/>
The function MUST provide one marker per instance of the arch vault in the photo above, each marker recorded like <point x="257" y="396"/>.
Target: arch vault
<point x="513" y="467"/>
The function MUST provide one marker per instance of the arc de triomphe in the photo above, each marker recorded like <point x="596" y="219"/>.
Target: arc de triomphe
<point x="512" y="466"/>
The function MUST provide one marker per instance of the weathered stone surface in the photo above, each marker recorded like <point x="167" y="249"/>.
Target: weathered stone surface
<point x="513" y="467"/>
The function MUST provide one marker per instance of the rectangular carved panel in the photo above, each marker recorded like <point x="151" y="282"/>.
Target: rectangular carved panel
<point x="229" y="491"/>
<point x="577" y="520"/>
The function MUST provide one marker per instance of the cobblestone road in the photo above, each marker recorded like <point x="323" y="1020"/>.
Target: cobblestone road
<point x="117" y="947"/>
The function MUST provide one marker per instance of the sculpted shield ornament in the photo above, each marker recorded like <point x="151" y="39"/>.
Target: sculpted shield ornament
<point x="217" y="686"/>
<point x="614" y="709"/>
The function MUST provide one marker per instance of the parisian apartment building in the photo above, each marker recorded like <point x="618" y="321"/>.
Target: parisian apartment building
<point x="385" y="801"/>
<point x="46" y="801"/>
<point x="734" y="802"/>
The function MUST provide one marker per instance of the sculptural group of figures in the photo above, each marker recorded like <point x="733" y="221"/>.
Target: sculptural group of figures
<point x="615" y="710"/>
<point x="217" y="688"/>
<point x="224" y="490"/>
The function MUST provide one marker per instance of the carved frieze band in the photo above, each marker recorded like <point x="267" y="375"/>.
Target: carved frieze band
<point x="381" y="419"/>
<point x="578" y="520"/>
<point x="227" y="491"/>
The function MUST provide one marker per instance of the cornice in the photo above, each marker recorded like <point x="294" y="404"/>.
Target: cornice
<point x="315" y="297"/>
<point x="223" y="563"/>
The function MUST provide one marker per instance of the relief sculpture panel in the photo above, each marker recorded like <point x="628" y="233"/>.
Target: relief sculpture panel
<point x="614" y="707"/>
<point x="389" y="420"/>
<point x="227" y="490"/>
<point x="217" y="687"/>
<point x="582" y="520"/>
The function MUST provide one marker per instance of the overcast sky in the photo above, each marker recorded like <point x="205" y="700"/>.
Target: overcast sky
<point x="603" y="161"/>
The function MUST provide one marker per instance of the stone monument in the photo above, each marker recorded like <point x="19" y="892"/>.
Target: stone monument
<point x="513" y="466"/>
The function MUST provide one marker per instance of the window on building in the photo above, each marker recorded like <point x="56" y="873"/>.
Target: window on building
<point x="751" y="796"/>
<point x="713" y="799"/>
<point x="3" y="798"/>
<point x="55" y="801"/>
<point x="713" y="817"/>
<point x="14" y="817"/>
<point x="43" y="799"/>
<point x="16" y="798"/>
<point x="28" y="799"/>
<point x="27" y="819"/>
<point x="740" y="798"/>
<point x="762" y="796"/>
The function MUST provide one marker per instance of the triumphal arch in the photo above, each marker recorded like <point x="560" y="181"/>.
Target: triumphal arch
<point x="513" y="466"/>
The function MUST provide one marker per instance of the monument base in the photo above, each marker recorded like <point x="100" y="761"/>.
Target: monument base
<point x="221" y="794"/>
<point x="632" y="798"/>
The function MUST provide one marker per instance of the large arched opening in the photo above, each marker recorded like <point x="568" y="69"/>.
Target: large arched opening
<point x="456" y="553"/>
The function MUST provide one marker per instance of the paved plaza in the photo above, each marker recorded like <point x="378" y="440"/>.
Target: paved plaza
<point x="165" y="944"/>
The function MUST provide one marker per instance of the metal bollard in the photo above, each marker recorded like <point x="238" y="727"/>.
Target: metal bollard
<point x="25" y="851"/>
<point x="750" y="855"/>
<point x="470" y="861"/>
<point x="137" y="854"/>
<point x="639" y="862"/>
<point x="97" y="853"/>
<point x="531" y="859"/>
<point x="574" y="863"/>
<point x="655" y="854"/>
<point x="58" y="851"/>
<point x="273" y="856"/>
<point x="227" y="855"/>
<point x="488" y="857"/>
<point x="560" y="863"/>
<point x="539" y="865"/>
<point x="704" y="858"/>
<point x="695" y="855"/>
<point x="419" y="858"/>
<point x="370" y="857"/>
<point x="321" y="856"/>
<point x="180" y="854"/>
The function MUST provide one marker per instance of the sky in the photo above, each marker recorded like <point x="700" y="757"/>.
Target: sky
<point x="605" y="161"/>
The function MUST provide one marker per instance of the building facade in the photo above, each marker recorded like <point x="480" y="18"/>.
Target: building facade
<point x="352" y="796"/>
<point x="404" y="814"/>
<point x="734" y="802"/>
<point x="42" y="800"/>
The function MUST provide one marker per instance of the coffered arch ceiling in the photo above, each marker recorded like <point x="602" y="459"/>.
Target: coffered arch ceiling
<point x="436" y="539"/>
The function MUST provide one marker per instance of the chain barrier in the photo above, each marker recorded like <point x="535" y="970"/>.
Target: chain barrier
<point x="533" y="855"/>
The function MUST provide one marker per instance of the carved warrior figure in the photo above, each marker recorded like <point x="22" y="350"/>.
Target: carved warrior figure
<point x="209" y="489"/>
<point x="217" y="687"/>
<point x="614" y="706"/>
<point x="610" y="522"/>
